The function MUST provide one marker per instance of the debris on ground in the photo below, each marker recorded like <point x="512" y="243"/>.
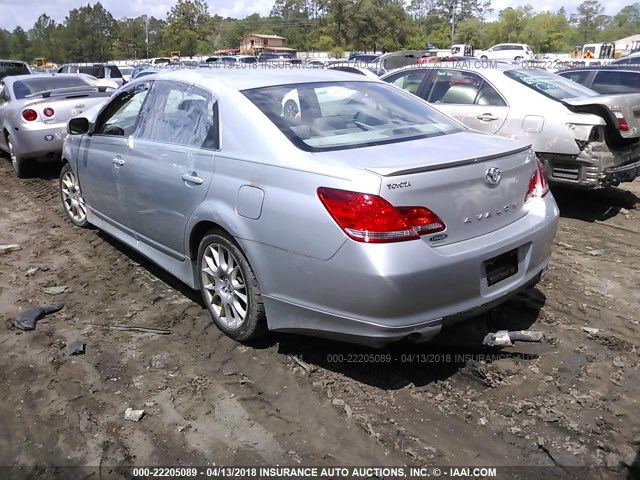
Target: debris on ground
<point x="9" y="248"/>
<point x="55" y="290"/>
<point x="504" y="338"/>
<point x="28" y="319"/>
<point x="124" y="328"/>
<point x="133" y="415"/>
<point x="77" y="348"/>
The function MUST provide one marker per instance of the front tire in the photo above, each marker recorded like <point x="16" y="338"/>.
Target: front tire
<point x="230" y="289"/>
<point x="19" y="164"/>
<point x="72" y="199"/>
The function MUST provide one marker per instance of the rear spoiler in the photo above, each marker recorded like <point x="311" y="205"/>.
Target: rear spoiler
<point x="68" y="90"/>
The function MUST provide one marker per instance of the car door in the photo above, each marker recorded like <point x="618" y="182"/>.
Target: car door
<point x="468" y="97"/>
<point x="104" y="154"/>
<point x="172" y="163"/>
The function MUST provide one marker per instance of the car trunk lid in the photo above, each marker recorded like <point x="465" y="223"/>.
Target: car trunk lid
<point x="66" y="103"/>
<point x="612" y="108"/>
<point x="452" y="176"/>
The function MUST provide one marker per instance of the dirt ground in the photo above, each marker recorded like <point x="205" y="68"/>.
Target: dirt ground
<point x="571" y="400"/>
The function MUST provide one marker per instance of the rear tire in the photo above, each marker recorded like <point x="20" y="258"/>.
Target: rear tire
<point x="230" y="289"/>
<point x="19" y="165"/>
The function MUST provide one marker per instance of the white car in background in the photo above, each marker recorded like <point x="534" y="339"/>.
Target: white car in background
<point x="508" y="51"/>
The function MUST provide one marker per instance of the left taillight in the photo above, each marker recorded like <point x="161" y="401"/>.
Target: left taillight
<point x="48" y="112"/>
<point x="372" y="219"/>
<point x="29" y="115"/>
<point x="622" y="122"/>
<point x="538" y="185"/>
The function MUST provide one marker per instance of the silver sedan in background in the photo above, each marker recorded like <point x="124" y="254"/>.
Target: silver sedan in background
<point x="368" y="217"/>
<point x="584" y="139"/>
<point x="35" y="109"/>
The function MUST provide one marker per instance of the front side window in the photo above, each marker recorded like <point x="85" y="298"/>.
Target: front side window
<point x="120" y="118"/>
<point x="549" y="84"/>
<point x="340" y="115"/>
<point x="180" y="114"/>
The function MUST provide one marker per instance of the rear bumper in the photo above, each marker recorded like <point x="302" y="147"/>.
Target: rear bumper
<point x="595" y="167"/>
<point x="41" y="140"/>
<point x="626" y="173"/>
<point x="377" y="294"/>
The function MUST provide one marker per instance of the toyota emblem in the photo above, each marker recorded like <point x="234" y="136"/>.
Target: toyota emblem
<point x="493" y="176"/>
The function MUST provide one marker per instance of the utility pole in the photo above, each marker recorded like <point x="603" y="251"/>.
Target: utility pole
<point x="453" y="21"/>
<point x="146" y="33"/>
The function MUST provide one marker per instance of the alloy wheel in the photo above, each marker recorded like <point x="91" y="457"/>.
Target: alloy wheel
<point x="224" y="286"/>
<point x="72" y="197"/>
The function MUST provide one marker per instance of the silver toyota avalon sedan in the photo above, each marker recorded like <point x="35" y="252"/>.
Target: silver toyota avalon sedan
<point x="365" y="216"/>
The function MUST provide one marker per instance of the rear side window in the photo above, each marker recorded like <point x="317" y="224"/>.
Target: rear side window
<point x="180" y="114"/>
<point x="617" y="82"/>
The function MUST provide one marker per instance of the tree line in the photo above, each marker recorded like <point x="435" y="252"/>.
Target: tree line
<point x="91" y="33"/>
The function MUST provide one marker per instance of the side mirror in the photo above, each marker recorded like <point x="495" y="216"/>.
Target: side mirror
<point x="78" y="126"/>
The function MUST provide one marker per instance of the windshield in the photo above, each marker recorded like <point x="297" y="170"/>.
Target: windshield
<point x="340" y="115"/>
<point x="23" y="88"/>
<point x="550" y="84"/>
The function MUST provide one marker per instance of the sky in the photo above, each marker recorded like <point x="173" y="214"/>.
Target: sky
<point x="25" y="12"/>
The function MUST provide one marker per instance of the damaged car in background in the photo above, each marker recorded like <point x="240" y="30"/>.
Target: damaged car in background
<point x="355" y="219"/>
<point x="34" y="111"/>
<point x="584" y="139"/>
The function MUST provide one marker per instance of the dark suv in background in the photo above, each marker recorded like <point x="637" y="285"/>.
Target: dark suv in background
<point x="13" y="67"/>
<point x="110" y="72"/>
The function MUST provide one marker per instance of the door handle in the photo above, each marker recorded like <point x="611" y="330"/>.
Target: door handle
<point x="192" y="178"/>
<point x="487" y="117"/>
<point x="118" y="161"/>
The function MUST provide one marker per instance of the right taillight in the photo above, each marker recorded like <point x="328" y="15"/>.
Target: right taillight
<point x="622" y="122"/>
<point x="29" y="115"/>
<point x="372" y="219"/>
<point x="538" y="185"/>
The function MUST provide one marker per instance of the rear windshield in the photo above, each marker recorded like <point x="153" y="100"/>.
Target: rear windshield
<point x="94" y="71"/>
<point x="550" y="84"/>
<point x="35" y="85"/>
<point x="13" y="68"/>
<point x="341" y="115"/>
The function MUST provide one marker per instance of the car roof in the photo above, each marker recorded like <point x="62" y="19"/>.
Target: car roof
<point x="242" y="78"/>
